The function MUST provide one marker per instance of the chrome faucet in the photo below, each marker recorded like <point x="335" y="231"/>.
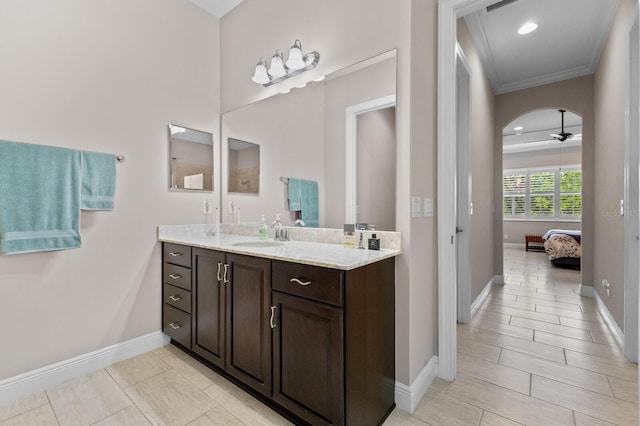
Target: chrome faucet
<point x="299" y="222"/>
<point x="281" y="233"/>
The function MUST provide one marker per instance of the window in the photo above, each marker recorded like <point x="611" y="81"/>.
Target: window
<point x="550" y="193"/>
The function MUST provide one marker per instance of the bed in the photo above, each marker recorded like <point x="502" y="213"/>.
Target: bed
<point x="563" y="248"/>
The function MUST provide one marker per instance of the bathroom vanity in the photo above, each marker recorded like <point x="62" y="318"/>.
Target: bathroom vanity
<point x="307" y="327"/>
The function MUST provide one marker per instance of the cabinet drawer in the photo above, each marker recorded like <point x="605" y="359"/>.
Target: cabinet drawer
<point x="177" y="275"/>
<point x="177" y="325"/>
<point x="313" y="282"/>
<point x="177" y="254"/>
<point x="177" y="297"/>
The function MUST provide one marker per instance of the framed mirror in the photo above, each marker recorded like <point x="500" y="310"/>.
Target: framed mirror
<point x="190" y="159"/>
<point x="244" y="167"/>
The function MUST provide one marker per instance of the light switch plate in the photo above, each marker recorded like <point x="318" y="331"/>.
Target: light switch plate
<point x="415" y="207"/>
<point x="428" y="207"/>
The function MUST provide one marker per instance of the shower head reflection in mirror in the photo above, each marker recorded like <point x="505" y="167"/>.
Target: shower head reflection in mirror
<point x="190" y="159"/>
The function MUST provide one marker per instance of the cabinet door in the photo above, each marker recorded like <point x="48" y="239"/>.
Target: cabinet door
<point x="308" y="366"/>
<point x="209" y="305"/>
<point x="248" y="314"/>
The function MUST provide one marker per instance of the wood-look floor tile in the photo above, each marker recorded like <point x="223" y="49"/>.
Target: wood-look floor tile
<point x="557" y="290"/>
<point x="135" y="370"/>
<point x="507" y="403"/>
<point x="509" y="378"/>
<point x="166" y="350"/>
<point x="217" y="416"/>
<point x="590" y="403"/>
<point x="523" y="313"/>
<point x="615" y="368"/>
<point x="575" y="333"/>
<point x="438" y="409"/>
<point x="584" y="420"/>
<point x="579" y="315"/>
<point x="530" y="293"/>
<point x="41" y="416"/>
<point x="626" y="390"/>
<point x="511" y="304"/>
<point x="561" y="372"/>
<point x="24" y="404"/>
<point x="130" y="416"/>
<point x="590" y="348"/>
<point x="552" y="353"/>
<point x="247" y="409"/>
<point x="440" y="385"/>
<point x="506" y="329"/>
<point x="477" y="349"/>
<point x="401" y="418"/>
<point x="550" y="303"/>
<point x="490" y="419"/>
<point x="170" y="399"/>
<point x="599" y="326"/>
<point x="604" y="338"/>
<point x="486" y="315"/>
<point x="87" y="399"/>
<point x="466" y="332"/>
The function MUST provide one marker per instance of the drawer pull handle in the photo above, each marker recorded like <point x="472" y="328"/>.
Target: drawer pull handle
<point x="273" y="313"/>
<point x="175" y="326"/>
<point x="175" y="277"/>
<point x="226" y="273"/>
<point x="295" y="280"/>
<point x="219" y="268"/>
<point x="174" y="298"/>
<point x="174" y="254"/>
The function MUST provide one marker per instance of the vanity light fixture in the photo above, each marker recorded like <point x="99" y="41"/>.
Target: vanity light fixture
<point x="279" y="71"/>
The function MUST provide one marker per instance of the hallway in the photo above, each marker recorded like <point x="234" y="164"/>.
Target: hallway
<point x="536" y="353"/>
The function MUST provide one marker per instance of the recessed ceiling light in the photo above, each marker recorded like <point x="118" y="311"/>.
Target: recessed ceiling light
<point x="518" y="128"/>
<point x="527" y="28"/>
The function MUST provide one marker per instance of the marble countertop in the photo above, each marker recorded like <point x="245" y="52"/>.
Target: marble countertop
<point x="309" y="253"/>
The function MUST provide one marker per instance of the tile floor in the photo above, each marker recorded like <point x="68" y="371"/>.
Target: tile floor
<point x="536" y="354"/>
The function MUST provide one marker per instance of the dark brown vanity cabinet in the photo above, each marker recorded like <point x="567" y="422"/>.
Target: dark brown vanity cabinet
<point x="317" y="343"/>
<point x="333" y="342"/>
<point x="231" y="329"/>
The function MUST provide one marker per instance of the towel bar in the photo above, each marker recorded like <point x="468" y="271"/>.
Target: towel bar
<point x="120" y="158"/>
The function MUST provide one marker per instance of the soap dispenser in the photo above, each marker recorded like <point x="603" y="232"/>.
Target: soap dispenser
<point x="263" y="229"/>
<point x="374" y="243"/>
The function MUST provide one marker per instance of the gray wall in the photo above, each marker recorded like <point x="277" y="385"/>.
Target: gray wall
<point x="101" y="76"/>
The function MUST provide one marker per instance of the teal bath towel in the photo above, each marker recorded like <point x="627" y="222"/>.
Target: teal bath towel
<point x="98" y="181"/>
<point x="294" y="195"/>
<point x="39" y="198"/>
<point x="309" y="211"/>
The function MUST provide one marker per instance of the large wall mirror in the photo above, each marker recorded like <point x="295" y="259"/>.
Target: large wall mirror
<point x="244" y="167"/>
<point x="305" y="134"/>
<point x="190" y="159"/>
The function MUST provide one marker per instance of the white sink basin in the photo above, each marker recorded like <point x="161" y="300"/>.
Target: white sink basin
<point x="259" y="243"/>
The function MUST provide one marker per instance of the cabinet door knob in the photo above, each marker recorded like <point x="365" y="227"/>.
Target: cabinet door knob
<point x="296" y="280"/>
<point x="175" y="326"/>
<point x="226" y="273"/>
<point x="175" y="254"/>
<point x="219" y="267"/>
<point x="174" y="298"/>
<point x="175" y="276"/>
<point x="273" y="313"/>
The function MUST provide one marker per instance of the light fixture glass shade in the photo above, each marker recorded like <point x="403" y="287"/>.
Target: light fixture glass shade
<point x="260" y="75"/>
<point x="295" y="61"/>
<point x="276" y="69"/>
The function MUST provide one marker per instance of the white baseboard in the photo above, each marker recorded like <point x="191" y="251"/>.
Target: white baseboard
<point x="495" y="280"/>
<point x="408" y="397"/>
<point x="36" y="380"/>
<point x="608" y="318"/>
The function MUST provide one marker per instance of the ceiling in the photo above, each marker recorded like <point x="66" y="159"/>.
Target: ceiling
<point x="567" y="44"/>
<point x="217" y="8"/>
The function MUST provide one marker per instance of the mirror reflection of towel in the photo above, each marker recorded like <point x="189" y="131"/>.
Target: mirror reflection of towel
<point x="294" y="195"/>
<point x="309" y="211"/>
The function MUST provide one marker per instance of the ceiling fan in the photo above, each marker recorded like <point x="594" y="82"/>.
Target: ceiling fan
<point x="562" y="136"/>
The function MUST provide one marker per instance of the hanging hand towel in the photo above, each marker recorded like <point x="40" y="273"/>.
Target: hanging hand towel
<point x="39" y="198"/>
<point x="309" y="211"/>
<point x="98" y="181"/>
<point x="294" y="194"/>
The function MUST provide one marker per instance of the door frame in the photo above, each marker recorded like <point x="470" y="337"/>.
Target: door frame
<point x="448" y="12"/>
<point x="632" y="192"/>
<point x="463" y="186"/>
<point x="351" y="154"/>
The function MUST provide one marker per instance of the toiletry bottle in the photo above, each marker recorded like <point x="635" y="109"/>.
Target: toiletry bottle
<point x="263" y="229"/>
<point x="374" y="243"/>
<point x="348" y="239"/>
